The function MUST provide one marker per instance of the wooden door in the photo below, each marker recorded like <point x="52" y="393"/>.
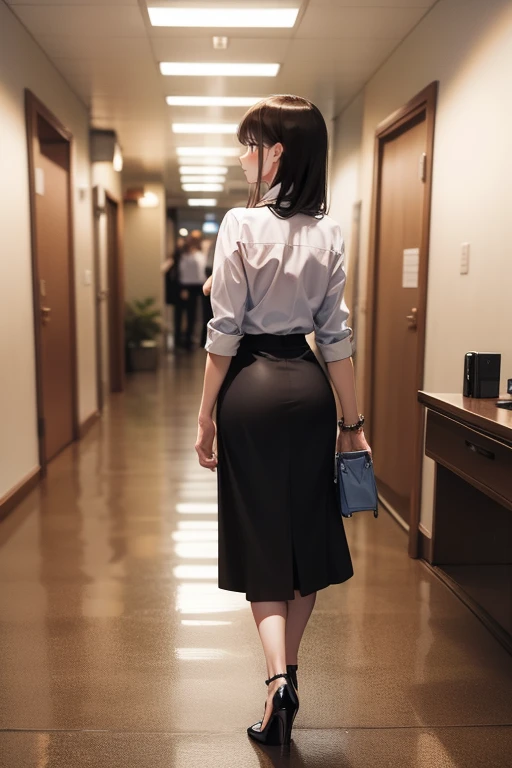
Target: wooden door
<point x="50" y="171"/>
<point x="397" y="301"/>
<point x="52" y="223"/>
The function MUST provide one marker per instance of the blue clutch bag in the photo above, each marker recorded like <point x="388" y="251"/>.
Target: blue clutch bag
<point x="357" y="490"/>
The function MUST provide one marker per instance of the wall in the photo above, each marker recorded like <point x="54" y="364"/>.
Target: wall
<point x="467" y="46"/>
<point x="145" y="246"/>
<point x="24" y="65"/>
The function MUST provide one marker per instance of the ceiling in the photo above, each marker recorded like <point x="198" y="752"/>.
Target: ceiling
<point x="109" y="54"/>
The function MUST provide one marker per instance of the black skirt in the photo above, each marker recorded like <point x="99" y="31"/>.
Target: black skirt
<point x="279" y="525"/>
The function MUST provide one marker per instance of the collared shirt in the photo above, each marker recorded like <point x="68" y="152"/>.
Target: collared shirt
<point x="279" y="276"/>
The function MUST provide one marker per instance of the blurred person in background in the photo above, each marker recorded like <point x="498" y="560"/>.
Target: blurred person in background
<point x="169" y="269"/>
<point x="191" y="274"/>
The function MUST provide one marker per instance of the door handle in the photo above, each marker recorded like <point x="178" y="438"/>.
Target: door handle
<point x="45" y="315"/>
<point x="413" y="319"/>
<point x="102" y="295"/>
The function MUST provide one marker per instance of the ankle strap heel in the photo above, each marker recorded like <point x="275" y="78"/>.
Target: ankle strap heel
<point x="285" y="705"/>
<point x="280" y="674"/>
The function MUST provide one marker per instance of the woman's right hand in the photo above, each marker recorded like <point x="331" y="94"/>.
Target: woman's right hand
<point x="352" y="441"/>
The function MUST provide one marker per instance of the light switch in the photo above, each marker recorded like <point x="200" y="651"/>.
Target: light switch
<point x="87" y="277"/>
<point x="464" y="259"/>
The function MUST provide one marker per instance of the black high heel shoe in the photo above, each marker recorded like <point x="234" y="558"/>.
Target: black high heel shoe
<point x="278" y="730"/>
<point x="292" y="671"/>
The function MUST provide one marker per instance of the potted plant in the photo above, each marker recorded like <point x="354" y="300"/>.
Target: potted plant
<point x="142" y="325"/>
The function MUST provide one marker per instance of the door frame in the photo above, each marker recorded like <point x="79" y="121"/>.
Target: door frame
<point x="425" y="101"/>
<point x="115" y="328"/>
<point x="116" y="303"/>
<point x="34" y="109"/>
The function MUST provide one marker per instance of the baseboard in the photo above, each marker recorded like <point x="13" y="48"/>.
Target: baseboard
<point x="18" y="493"/>
<point x="88" y="423"/>
<point x="424" y="544"/>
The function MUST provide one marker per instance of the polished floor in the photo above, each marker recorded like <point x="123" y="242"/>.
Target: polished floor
<point x="118" y="649"/>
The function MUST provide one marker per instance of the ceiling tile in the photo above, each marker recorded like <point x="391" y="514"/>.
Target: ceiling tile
<point x="340" y="23"/>
<point x="84" y="20"/>
<point x="201" y="49"/>
<point x="320" y="5"/>
<point x="71" y="2"/>
<point x="80" y="47"/>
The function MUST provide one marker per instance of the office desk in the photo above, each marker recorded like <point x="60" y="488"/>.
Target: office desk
<point x="471" y="547"/>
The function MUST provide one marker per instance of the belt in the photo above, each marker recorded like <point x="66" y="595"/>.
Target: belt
<point x="274" y="341"/>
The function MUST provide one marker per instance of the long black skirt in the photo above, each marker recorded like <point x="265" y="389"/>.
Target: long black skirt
<point x="279" y="525"/>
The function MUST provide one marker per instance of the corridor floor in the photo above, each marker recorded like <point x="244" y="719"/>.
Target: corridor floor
<point x="117" y="649"/>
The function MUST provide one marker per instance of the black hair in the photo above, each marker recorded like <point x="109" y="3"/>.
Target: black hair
<point x="300" y="127"/>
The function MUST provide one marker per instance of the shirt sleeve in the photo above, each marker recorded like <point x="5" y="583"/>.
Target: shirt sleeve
<point x="332" y="334"/>
<point x="228" y="293"/>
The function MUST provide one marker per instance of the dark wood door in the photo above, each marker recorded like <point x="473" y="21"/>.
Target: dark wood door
<point x="52" y="235"/>
<point x="397" y="291"/>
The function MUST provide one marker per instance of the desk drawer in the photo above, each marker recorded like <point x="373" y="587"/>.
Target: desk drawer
<point x="482" y="461"/>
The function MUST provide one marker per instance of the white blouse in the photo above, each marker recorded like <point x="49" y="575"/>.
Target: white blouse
<point x="278" y="276"/>
<point x="192" y="268"/>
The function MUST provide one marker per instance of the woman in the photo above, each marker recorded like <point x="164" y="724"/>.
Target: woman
<point x="278" y="275"/>
<point x="191" y="275"/>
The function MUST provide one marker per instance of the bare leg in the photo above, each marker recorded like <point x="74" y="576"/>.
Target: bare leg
<point x="270" y="618"/>
<point x="299" y="611"/>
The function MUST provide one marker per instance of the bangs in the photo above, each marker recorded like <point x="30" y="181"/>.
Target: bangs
<point x="252" y="128"/>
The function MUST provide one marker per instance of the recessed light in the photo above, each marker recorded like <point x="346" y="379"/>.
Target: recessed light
<point x="183" y="232"/>
<point x="204" y="127"/>
<point x="207" y="151"/>
<point x="202" y="187"/>
<point x="209" y="202"/>
<point x="223" y="17"/>
<point x="212" y="101"/>
<point x="203" y="179"/>
<point x="149" y="200"/>
<point x="201" y="170"/>
<point x="216" y="69"/>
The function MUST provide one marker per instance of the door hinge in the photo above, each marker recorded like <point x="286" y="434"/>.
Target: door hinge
<point x="423" y="167"/>
<point x="41" y="427"/>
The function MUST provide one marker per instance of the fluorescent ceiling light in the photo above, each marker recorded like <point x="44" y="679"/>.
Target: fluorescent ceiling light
<point x="201" y="170"/>
<point x="207" y="151"/>
<point x="223" y="17"/>
<point x="212" y="101"/>
<point x="203" y="179"/>
<point x="204" y="127"/>
<point x="216" y="69"/>
<point x="208" y="202"/>
<point x="202" y="187"/>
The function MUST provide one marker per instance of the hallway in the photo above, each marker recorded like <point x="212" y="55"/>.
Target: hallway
<point x="117" y="648"/>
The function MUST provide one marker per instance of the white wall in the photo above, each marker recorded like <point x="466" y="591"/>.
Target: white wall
<point x="467" y="46"/>
<point x="24" y="65"/>
<point x="144" y="246"/>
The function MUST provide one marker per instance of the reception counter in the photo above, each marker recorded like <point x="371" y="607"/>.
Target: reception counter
<point x="470" y="439"/>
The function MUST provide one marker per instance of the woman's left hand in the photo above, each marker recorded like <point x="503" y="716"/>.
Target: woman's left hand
<point x="206" y="431"/>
